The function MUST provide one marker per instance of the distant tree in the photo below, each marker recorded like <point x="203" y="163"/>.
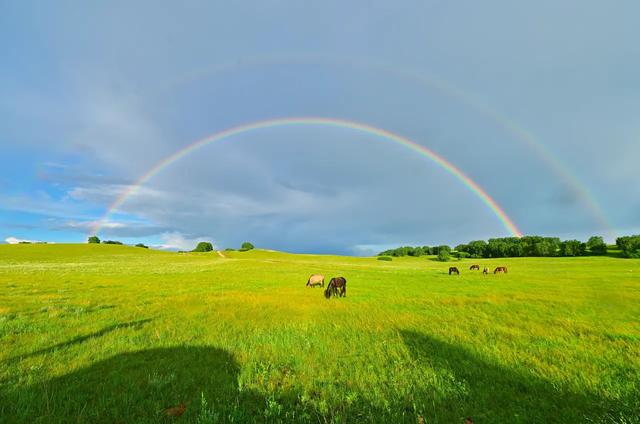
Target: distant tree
<point x="229" y="249"/>
<point x="497" y="248"/>
<point x="462" y="248"/>
<point x="477" y="248"/>
<point x="629" y="245"/>
<point x="111" y="242"/>
<point x="597" y="246"/>
<point x="439" y="249"/>
<point x="203" y="246"/>
<point x="93" y="240"/>
<point x="443" y="254"/>
<point x="572" y="248"/>
<point x="246" y="246"/>
<point x="461" y="255"/>
<point x="142" y="245"/>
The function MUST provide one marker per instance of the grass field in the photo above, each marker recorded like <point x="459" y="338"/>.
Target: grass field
<point x="98" y="333"/>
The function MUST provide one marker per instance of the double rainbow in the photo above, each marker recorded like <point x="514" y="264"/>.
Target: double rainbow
<point x="379" y="133"/>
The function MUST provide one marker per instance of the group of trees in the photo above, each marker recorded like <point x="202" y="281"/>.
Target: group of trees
<point x="96" y="240"/>
<point x="205" y="246"/>
<point x="629" y="246"/>
<point x="532" y="246"/>
<point x="519" y="247"/>
<point x="414" y="251"/>
<point x="443" y="252"/>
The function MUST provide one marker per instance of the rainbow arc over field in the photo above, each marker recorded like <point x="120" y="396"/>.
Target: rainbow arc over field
<point x="425" y="80"/>
<point x="379" y="133"/>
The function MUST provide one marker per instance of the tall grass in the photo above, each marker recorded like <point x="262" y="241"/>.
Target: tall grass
<point x="97" y="333"/>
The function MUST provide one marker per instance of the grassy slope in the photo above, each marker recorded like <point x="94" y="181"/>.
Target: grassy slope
<point x="97" y="333"/>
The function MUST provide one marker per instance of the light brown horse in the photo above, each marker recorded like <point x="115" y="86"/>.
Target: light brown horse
<point x="337" y="287"/>
<point x="454" y="270"/>
<point x="500" y="269"/>
<point x="316" y="280"/>
<point x="474" y="267"/>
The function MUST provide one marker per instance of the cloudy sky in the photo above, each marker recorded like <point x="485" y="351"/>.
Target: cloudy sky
<point x="538" y="102"/>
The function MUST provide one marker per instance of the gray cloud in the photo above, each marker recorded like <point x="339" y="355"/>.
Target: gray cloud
<point x="109" y="101"/>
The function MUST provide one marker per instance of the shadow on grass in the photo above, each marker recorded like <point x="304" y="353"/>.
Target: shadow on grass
<point x="496" y="394"/>
<point x="136" y="387"/>
<point x="81" y="339"/>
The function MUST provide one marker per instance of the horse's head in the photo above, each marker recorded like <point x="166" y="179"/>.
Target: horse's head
<point x="328" y="290"/>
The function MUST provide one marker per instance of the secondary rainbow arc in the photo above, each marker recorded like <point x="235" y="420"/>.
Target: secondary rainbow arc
<point x="318" y="121"/>
<point x="511" y="127"/>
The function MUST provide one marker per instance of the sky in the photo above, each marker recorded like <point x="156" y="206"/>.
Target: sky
<point x="537" y="102"/>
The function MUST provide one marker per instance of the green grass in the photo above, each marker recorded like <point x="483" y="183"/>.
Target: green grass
<point x="114" y="334"/>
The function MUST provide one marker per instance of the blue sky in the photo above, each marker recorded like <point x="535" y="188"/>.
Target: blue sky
<point x="95" y="94"/>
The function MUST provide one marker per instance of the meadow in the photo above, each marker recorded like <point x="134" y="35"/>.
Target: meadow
<point x="115" y="334"/>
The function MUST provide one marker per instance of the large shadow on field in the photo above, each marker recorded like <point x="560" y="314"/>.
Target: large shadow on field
<point x="496" y="394"/>
<point x="81" y="339"/>
<point x="136" y="388"/>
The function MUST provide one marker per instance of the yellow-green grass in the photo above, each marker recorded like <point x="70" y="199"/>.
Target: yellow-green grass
<point x="114" y="334"/>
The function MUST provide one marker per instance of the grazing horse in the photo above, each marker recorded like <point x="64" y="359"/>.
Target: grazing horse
<point x="474" y="267"/>
<point x="316" y="280"/>
<point x="454" y="270"/>
<point x="485" y="271"/>
<point x="337" y="287"/>
<point x="500" y="269"/>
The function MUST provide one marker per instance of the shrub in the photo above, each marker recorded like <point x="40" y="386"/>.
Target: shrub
<point x="597" y="246"/>
<point x="443" y="255"/>
<point x="229" y="249"/>
<point x="93" y="240"/>
<point x="142" y="245"/>
<point x="385" y="258"/>
<point x="462" y="255"/>
<point x="203" y="246"/>
<point x="246" y="246"/>
<point x="111" y="242"/>
<point x="630" y="246"/>
<point x="443" y="248"/>
<point x="572" y="248"/>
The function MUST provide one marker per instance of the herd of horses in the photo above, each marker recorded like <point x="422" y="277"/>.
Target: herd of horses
<point x="337" y="285"/>
<point x="499" y="269"/>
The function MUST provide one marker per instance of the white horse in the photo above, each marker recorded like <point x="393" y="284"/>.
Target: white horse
<point x="316" y="280"/>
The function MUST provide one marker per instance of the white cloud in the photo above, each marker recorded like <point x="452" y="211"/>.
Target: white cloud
<point x="15" y="240"/>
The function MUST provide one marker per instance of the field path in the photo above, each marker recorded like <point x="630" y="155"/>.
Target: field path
<point x="222" y="255"/>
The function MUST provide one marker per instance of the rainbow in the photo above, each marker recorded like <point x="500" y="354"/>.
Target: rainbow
<point x="445" y="87"/>
<point x="330" y="122"/>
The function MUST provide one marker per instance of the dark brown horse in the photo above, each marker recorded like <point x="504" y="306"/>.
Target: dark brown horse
<point x="454" y="270"/>
<point x="500" y="269"/>
<point x="337" y="287"/>
<point x="474" y="267"/>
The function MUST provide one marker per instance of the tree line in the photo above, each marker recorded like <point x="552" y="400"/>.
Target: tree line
<point x="527" y="246"/>
<point x="629" y="246"/>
